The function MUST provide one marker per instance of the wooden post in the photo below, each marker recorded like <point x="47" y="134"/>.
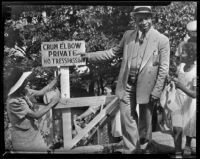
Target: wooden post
<point x="52" y="112"/>
<point x="48" y="60"/>
<point x="66" y="113"/>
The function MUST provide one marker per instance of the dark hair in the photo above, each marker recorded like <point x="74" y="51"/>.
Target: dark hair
<point x="191" y="48"/>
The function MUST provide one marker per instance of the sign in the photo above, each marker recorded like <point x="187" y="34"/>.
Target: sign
<point x="62" y="53"/>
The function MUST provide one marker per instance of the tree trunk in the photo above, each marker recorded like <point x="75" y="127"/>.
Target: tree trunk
<point x="91" y="88"/>
<point x="101" y="85"/>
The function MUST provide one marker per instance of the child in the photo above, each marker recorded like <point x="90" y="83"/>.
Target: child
<point x="184" y="119"/>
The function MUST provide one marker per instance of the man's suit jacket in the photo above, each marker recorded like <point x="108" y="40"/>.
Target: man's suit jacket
<point x="154" y="67"/>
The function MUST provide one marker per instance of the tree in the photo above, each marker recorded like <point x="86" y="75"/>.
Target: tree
<point x="100" y="26"/>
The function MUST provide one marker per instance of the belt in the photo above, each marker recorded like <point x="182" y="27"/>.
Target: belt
<point x="132" y="80"/>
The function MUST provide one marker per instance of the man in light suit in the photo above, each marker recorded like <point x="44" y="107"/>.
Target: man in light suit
<point x="142" y="74"/>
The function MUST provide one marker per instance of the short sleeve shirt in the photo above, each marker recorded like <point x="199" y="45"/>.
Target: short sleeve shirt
<point x="17" y="110"/>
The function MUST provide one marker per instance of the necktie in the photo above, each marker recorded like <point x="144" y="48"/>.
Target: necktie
<point x="141" y="39"/>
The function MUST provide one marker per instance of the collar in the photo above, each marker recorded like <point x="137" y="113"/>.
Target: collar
<point x="149" y="31"/>
<point x="139" y="33"/>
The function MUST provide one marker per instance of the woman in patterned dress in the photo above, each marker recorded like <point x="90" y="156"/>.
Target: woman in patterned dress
<point x="25" y="133"/>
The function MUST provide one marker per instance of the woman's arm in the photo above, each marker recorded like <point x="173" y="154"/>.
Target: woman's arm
<point x="89" y="111"/>
<point x="44" y="110"/>
<point x="46" y="88"/>
<point x="189" y="92"/>
<point x="85" y="114"/>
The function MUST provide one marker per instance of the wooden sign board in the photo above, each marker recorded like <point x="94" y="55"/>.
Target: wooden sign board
<point x="62" y="53"/>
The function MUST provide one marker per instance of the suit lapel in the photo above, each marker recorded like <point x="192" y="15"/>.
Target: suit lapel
<point x="149" y="48"/>
<point x="131" y="47"/>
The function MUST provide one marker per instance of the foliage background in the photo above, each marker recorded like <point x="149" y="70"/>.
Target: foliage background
<point x="101" y="27"/>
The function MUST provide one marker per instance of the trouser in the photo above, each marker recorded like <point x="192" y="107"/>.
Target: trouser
<point x="145" y="122"/>
<point x="130" y="123"/>
<point x="129" y="120"/>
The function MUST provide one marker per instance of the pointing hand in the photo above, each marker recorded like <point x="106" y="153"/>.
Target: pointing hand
<point x="82" y="54"/>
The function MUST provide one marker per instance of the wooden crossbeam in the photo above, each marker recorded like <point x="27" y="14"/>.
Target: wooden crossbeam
<point x="80" y="102"/>
<point x="83" y="101"/>
<point x="110" y="113"/>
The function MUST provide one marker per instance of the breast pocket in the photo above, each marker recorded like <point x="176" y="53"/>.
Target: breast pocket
<point x="155" y="58"/>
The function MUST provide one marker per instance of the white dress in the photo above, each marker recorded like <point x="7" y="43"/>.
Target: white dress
<point x="186" y="116"/>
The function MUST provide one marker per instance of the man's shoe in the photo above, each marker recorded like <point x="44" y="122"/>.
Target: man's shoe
<point x="138" y="151"/>
<point x="117" y="152"/>
<point x="143" y="141"/>
<point x="144" y="146"/>
<point x="187" y="151"/>
<point x="149" y="148"/>
<point x="147" y="152"/>
<point x="178" y="155"/>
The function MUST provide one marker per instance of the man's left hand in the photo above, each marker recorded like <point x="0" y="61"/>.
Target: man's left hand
<point x="155" y="100"/>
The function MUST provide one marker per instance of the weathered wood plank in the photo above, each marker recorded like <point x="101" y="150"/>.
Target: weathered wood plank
<point x="67" y="127"/>
<point x="83" y="101"/>
<point x="92" y="149"/>
<point x="66" y="114"/>
<point x="65" y="82"/>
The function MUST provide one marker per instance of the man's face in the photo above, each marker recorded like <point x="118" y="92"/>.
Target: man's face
<point x="143" y="21"/>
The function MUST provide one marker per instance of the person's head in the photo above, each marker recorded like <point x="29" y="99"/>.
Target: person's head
<point x="188" y="54"/>
<point x="17" y="81"/>
<point x="143" y="17"/>
<point x="107" y="90"/>
<point x="189" y="46"/>
<point x="192" y="29"/>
